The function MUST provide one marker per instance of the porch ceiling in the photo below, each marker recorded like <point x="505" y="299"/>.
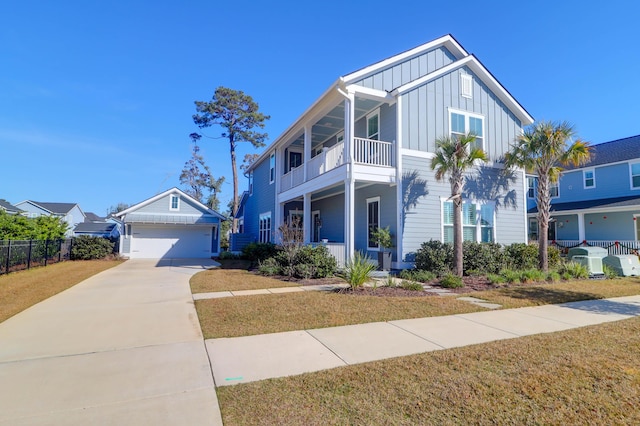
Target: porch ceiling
<point x="632" y="201"/>
<point x="335" y="190"/>
<point x="333" y="122"/>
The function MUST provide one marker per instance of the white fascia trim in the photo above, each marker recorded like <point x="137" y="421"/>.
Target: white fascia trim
<point x="369" y="93"/>
<point x="447" y="41"/>
<point x="484" y="75"/>
<point x="173" y="190"/>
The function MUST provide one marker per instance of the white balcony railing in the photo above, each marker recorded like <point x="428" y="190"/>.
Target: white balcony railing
<point x="613" y="247"/>
<point x="366" y="151"/>
<point x="377" y="153"/>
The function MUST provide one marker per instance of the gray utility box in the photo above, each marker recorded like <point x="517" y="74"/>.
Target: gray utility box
<point x="591" y="257"/>
<point x="625" y="265"/>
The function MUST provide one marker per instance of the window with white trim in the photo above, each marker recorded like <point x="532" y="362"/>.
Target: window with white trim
<point x="264" y="228"/>
<point x="533" y="229"/>
<point x="250" y="183"/>
<point x="272" y="167"/>
<point x="241" y="225"/>
<point x="635" y="175"/>
<point x="340" y="137"/>
<point x="477" y="221"/>
<point x="174" y="203"/>
<point x="466" y="85"/>
<point x="531" y="187"/>
<point x="296" y="218"/>
<point x="554" y="189"/>
<point x="589" y="178"/>
<point x="373" y="220"/>
<point x="461" y="123"/>
<point x="373" y="125"/>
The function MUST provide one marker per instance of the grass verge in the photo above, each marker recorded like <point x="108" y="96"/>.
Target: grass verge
<point x="233" y="279"/>
<point x="582" y="376"/>
<point x="20" y="290"/>
<point x="249" y="315"/>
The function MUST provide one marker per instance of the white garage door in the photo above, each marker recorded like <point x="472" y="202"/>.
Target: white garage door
<point x="155" y="242"/>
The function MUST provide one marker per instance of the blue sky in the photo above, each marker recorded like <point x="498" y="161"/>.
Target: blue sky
<point x="96" y="98"/>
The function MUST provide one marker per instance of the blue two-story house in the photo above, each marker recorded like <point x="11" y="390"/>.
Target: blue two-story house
<point x="360" y="158"/>
<point x="598" y="202"/>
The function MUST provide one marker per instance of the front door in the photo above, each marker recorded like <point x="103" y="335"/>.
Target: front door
<point x="214" y="239"/>
<point x="316" y="225"/>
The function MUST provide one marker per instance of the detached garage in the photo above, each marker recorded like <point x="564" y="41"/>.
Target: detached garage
<point x="171" y="225"/>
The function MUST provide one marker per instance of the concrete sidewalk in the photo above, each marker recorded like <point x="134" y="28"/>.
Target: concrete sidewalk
<point x="123" y="347"/>
<point x="251" y="358"/>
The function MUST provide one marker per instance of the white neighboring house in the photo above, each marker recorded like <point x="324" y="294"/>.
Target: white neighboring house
<point x="170" y="225"/>
<point x="71" y="213"/>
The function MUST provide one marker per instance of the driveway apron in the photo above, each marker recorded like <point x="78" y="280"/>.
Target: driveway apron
<point x="123" y="347"/>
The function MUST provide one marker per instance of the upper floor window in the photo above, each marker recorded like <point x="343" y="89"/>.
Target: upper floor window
<point x="531" y="187"/>
<point x="373" y="125"/>
<point x="477" y="221"/>
<point x="250" y="183"/>
<point x="174" y="204"/>
<point x="589" y="178"/>
<point x="461" y="123"/>
<point x="635" y="175"/>
<point x="272" y="167"/>
<point x="373" y="220"/>
<point x="554" y="189"/>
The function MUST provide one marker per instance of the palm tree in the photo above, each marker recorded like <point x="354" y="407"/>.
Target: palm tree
<point x="453" y="157"/>
<point x="542" y="149"/>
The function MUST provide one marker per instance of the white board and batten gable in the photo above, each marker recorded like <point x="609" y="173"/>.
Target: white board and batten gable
<point x="171" y="224"/>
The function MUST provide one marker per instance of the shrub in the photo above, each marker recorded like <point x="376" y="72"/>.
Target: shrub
<point x="574" y="270"/>
<point x="510" y="275"/>
<point x="257" y="252"/>
<point x="553" y="276"/>
<point x="520" y="256"/>
<point x="609" y="272"/>
<point x="435" y="256"/>
<point x="358" y="270"/>
<point x="269" y="266"/>
<point x="417" y="275"/>
<point x="412" y="285"/>
<point x="227" y="255"/>
<point x="87" y="247"/>
<point x="532" y="275"/>
<point x="495" y="278"/>
<point x="485" y="257"/>
<point x="451" y="281"/>
<point x="319" y="262"/>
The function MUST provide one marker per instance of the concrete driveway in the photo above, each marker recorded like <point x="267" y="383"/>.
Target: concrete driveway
<point x="123" y="347"/>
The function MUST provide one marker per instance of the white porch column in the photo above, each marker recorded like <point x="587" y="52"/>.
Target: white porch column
<point x="399" y="184"/>
<point x="306" y="218"/>
<point x="581" y="233"/>
<point x="349" y="185"/>
<point x="307" y="149"/>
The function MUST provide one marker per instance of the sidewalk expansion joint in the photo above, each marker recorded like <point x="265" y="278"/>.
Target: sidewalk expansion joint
<point x="328" y="348"/>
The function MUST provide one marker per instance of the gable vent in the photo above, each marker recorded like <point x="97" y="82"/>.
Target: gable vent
<point x="466" y="85"/>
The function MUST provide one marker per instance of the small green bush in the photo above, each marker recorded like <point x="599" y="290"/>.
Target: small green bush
<point x="87" y="247"/>
<point x="574" y="269"/>
<point x="257" y="252"/>
<point x="358" y="270"/>
<point x="417" y="275"/>
<point x="495" y="278"/>
<point x="566" y="275"/>
<point x="227" y="255"/>
<point x="451" y="281"/>
<point x="411" y="285"/>
<point x="520" y="256"/>
<point x="435" y="256"/>
<point x="269" y="266"/>
<point x="319" y="262"/>
<point x="484" y="257"/>
<point x="532" y="275"/>
<point x="609" y="272"/>
<point x="553" y="276"/>
<point x="510" y="275"/>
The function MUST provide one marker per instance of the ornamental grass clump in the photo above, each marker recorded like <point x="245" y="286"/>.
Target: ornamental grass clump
<point x="358" y="270"/>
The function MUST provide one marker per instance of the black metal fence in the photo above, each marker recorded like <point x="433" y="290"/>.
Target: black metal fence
<point x="16" y="255"/>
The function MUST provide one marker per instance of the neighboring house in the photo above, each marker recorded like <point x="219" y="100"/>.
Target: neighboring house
<point x="170" y="225"/>
<point x="97" y="229"/>
<point x="9" y="208"/>
<point x="71" y="213"/>
<point x="92" y="217"/>
<point x="599" y="201"/>
<point x="359" y="158"/>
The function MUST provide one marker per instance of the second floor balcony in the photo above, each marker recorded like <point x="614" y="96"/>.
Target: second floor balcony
<point x="377" y="156"/>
